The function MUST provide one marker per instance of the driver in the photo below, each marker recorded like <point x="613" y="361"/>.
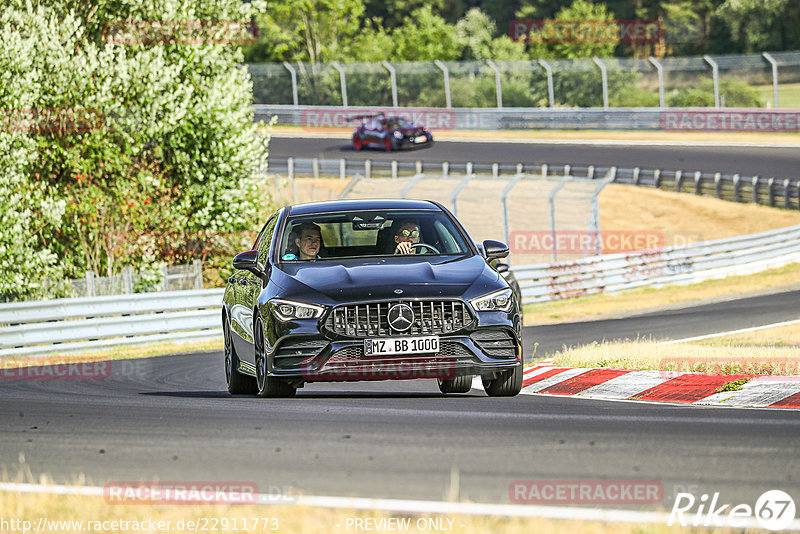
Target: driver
<point x="309" y="241"/>
<point x="407" y="234"/>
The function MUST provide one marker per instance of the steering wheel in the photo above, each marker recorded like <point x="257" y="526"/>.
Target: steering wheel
<point x="434" y="249"/>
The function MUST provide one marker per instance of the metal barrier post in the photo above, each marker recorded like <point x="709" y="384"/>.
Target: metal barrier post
<point x="293" y="73"/>
<point x="551" y="199"/>
<point x="718" y="185"/>
<point x="460" y="187"/>
<point x="394" y="169"/>
<point x="774" y="64"/>
<point x="503" y="201"/>
<point x="550" y="92"/>
<point x="342" y="81"/>
<point x="755" y="189"/>
<point x="446" y="74"/>
<point x="678" y="180"/>
<point x="697" y="184"/>
<point x="342" y="168"/>
<point x="393" y="76"/>
<point x="604" y="78"/>
<point x="498" y="89"/>
<point x="367" y="169"/>
<point x="315" y="167"/>
<point x="715" y="75"/>
<point x="594" y="220"/>
<point x="660" y="71"/>
<point x="736" y="182"/>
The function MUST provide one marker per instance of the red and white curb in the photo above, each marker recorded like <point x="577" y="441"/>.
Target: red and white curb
<point x="662" y="386"/>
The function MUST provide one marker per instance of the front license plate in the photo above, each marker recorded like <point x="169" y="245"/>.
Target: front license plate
<point x="401" y="345"/>
<point x="421" y="139"/>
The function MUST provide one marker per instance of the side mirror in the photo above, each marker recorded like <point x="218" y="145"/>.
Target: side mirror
<point x="248" y="261"/>
<point x="495" y="249"/>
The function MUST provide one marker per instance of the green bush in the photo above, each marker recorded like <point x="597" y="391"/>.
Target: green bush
<point x="736" y="94"/>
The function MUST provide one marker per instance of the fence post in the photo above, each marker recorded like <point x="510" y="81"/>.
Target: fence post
<point x="393" y="76"/>
<point x="590" y="172"/>
<point x="495" y="169"/>
<point x="460" y="187"/>
<point x="715" y="76"/>
<point x="315" y="167"/>
<point x="342" y="168"/>
<point x="567" y="168"/>
<point x="636" y="172"/>
<point x="678" y="180"/>
<point x="660" y="71"/>
<point x="127" y="280"/>
<point x="774" y="64"/>
<point x="657" y="178"/>
<point x="770" y="182"/>
<point x="418" y="167"/>
<point x="394" y="169"/>
<point x="551" y="199"/>
<point x="787" y="196"/>
<point x="604" y="79"/>
<point x="736" y="182"/>
<point x="89" y="284"/>
<point x="367" y="169"/>
<point x="198" y="274"/>
<point x="503" y="201"/>
<point x="293" y="73"/>
<point x="446" y="74"/>
<point x="544" y="170"/>
<point x="498" y="89"/>
<point x="164" y="278"/>
<point x="718" y="184"/>
<point x="445" y="169"/>
<point x="550" y="92"/>
<point x="697" y="183"/>
<point x="342" y="81"/>
<point x="755" y="189"/>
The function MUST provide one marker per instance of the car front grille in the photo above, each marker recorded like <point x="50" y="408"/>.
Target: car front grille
<point x="496" y="343"/>
<point x="431" y="317"/>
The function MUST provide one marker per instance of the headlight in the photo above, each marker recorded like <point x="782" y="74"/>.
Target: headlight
<point x="398" y="134"/>
<point x="496" y="301"/>
<point x="286" y="310"/>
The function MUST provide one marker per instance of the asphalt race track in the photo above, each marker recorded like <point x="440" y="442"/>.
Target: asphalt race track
<point x="171" y="419"/>
<point x="747" y="161"/>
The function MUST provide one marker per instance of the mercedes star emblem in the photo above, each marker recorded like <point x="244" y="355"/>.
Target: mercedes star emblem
<point x="398" y="291"/>
<point x="401" y="317"/>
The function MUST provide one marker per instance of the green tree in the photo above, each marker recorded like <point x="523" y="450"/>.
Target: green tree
<point x="426" y="36"/>
<point x="759" y="25"/>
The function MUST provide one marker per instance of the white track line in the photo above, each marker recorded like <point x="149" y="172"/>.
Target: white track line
<point x="731" y="332"/>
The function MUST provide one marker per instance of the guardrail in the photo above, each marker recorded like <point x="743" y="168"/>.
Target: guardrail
<point x="64" y="325"/>
<point x="768" y="191"/>
<point x="671" y="265"/>
<point x="448" y="119"/>
<point x="40" y="327"/>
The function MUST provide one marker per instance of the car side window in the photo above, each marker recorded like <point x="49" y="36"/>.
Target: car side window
<point x="264" y="240"/>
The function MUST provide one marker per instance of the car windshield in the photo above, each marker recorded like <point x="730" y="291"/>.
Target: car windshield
<point x="398" y="123"/>
<point x="335" y="236"/>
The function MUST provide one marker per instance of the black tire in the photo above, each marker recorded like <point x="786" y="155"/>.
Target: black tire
<point x="238" y="383"/>
<point x="267" y="386"/>
<point x="507" y="384"/>
<point x="459" y="384"/>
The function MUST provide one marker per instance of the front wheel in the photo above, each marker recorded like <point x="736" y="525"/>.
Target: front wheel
<point x="459" y="384"/>
<point x="238" y="384"/>
<point x="267" y="386"/>
<point x="358" y="144"/>
<point x="387" y="144"/>
<point x="506" y="384"/>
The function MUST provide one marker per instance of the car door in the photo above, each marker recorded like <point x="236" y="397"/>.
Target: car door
<point x="248" y="288"/>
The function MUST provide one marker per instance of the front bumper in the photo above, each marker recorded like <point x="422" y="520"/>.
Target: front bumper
<point x="317" y="359"/>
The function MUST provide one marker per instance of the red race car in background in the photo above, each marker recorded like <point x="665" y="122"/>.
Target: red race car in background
<point x="389" y="133"/>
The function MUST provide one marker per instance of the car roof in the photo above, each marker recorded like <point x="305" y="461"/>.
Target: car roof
<point x="331" y="206"/>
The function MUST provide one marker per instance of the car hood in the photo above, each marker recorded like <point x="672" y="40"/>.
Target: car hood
<point x="381" y="278"/>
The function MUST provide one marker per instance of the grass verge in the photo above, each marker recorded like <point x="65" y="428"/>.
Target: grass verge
<point x="97" y="515"/>
<point x="110" y="354"/>
<point x="760" y="353"/>
<point x="607" y="305"/>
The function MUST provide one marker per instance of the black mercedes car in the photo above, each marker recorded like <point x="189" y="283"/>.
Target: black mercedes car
<point x="389" y="133"/>
<point x="370" y="290"/>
